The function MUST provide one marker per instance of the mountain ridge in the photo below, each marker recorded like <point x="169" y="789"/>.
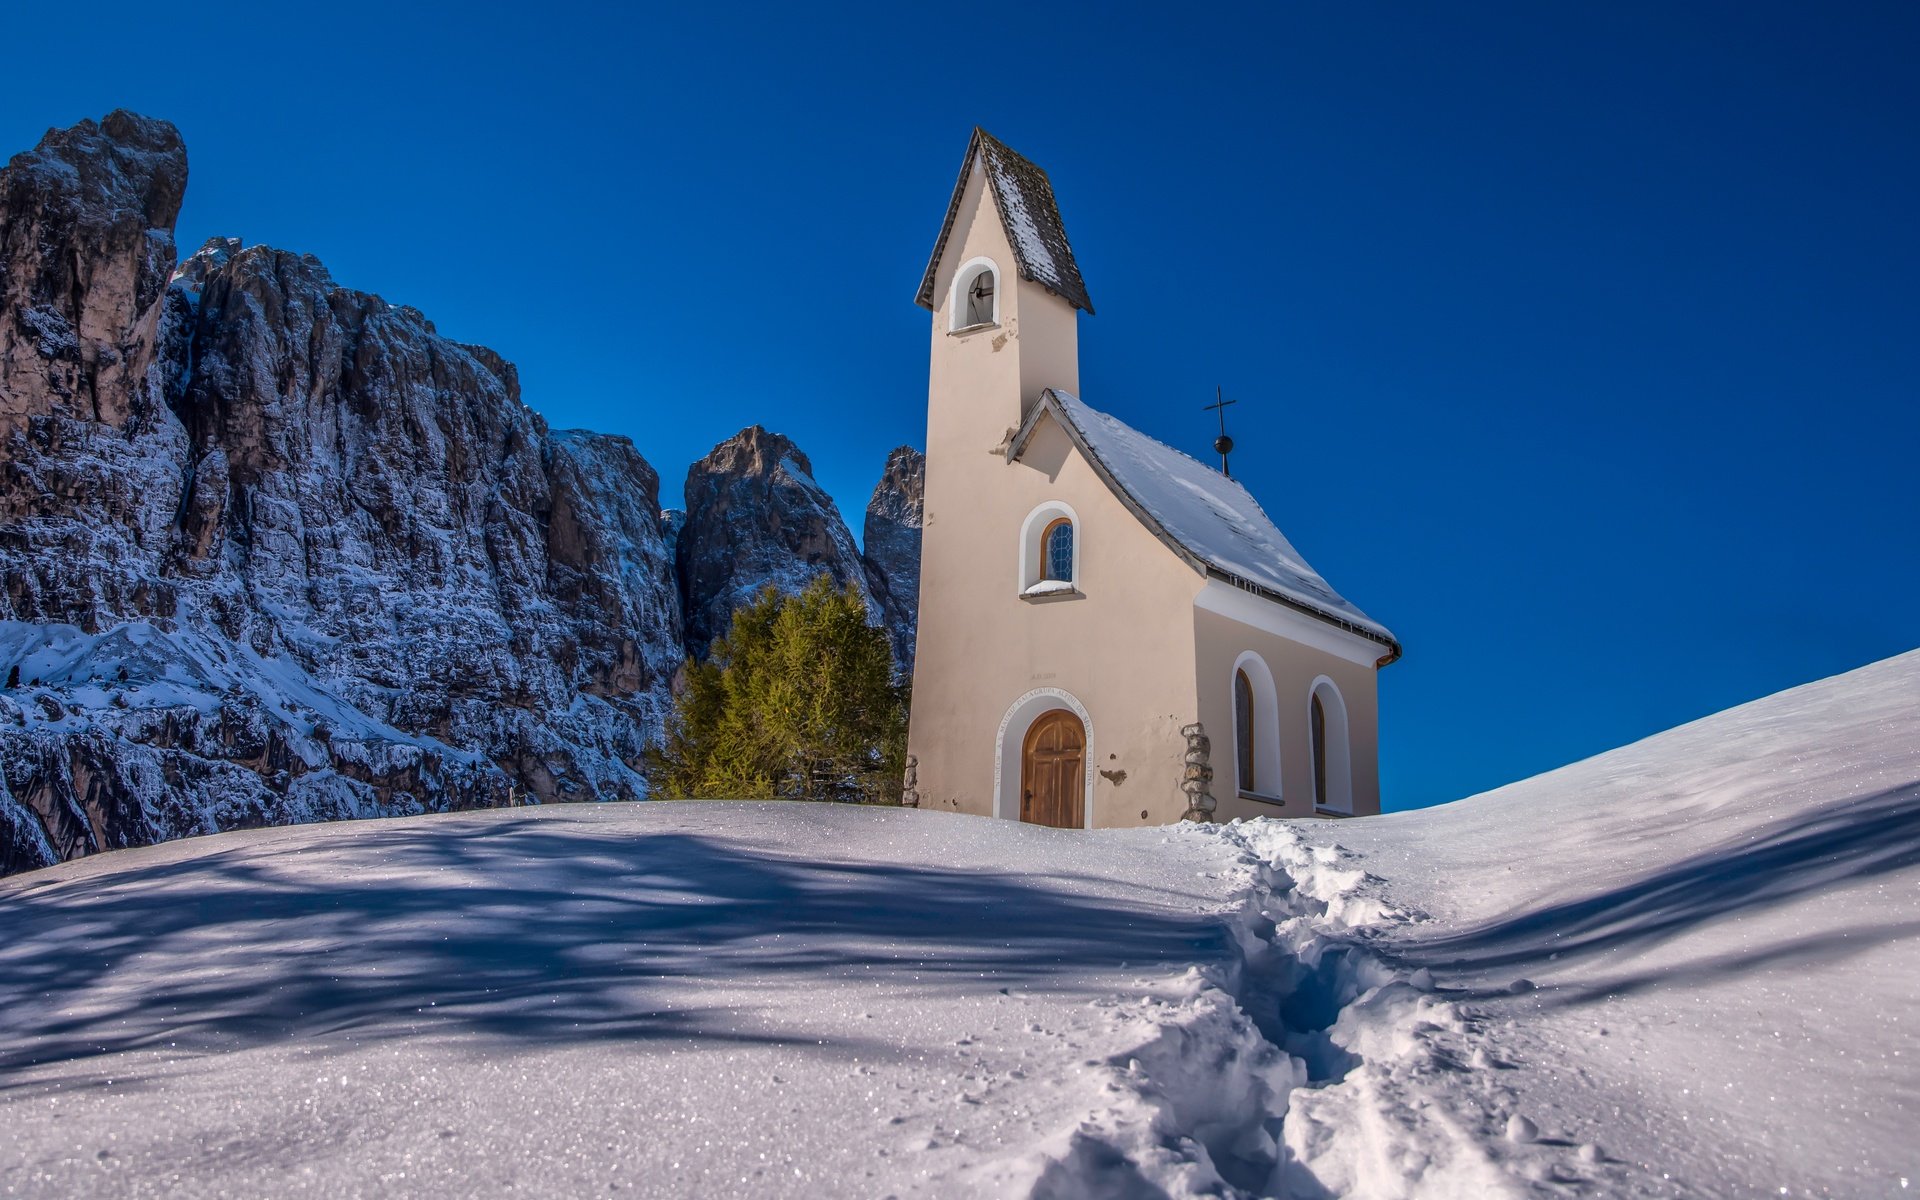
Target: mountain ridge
<point x="273" y="549"/>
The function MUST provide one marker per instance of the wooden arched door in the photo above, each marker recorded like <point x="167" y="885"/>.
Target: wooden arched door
<point x="1053" y="771"/>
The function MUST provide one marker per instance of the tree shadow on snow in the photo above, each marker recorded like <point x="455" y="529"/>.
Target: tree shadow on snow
<point x="526" y="933"/>
<point x="1836" y="845"/>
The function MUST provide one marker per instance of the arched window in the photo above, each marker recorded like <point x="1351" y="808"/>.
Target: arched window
<point x="1057" y="544"/>
<point x="1256" y="730"/>
<point x="1329" y="740"/>
<point x="1050" y="553"/>
<point x="1319" y="719"/>
<point x="976" y="296"/>
<point x="980" y="299"/>
<point x="1243" y="717"/>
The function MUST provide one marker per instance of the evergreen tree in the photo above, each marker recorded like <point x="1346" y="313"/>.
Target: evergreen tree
<point x="13" y="677"/>
<point x="797" y="701"/>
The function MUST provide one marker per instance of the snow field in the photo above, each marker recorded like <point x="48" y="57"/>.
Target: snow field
<point x="1685" y="967"/>
<point x="1372" y="1037"/>
<point x="1364" y="1034"/>
<point x="1303" y="1064"/>
<point x="655" y="999"/>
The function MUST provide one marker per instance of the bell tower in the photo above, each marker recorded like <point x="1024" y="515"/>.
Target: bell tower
<point x="1005" y="293"/>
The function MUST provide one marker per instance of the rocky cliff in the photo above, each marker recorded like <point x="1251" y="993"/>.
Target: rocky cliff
<point x="85" y="253"/>
<point x="891" y="541"/>
<point x="756" y="517"/>
<point x="273" y="550"/>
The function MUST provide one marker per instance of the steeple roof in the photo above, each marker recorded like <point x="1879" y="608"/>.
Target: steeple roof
<point x="1209" y="520"/>
<point x="1029" y="214"/>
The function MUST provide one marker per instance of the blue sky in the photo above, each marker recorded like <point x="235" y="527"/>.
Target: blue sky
<point x="1579" y="344"/>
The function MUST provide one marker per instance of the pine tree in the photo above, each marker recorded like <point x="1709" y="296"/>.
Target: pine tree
<point x="797" y="701"/>
<point x="13" y="677"/>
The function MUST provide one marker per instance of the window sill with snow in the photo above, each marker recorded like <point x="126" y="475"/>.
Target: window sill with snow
<point x="1052" y="589"/>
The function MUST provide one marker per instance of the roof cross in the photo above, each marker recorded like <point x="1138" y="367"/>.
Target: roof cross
<point x="1222" y="445"/>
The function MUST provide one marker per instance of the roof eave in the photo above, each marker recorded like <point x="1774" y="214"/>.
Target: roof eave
<point x="925" y="297"/>
<point x="1080" y="301"/>
<point x="1301" y="606"/>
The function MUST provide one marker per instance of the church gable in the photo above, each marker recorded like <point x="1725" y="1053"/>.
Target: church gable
<point x="1208" y="519"/>
<point x="1028" y="213"/>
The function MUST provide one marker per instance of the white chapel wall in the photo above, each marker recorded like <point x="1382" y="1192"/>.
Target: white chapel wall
<point x="1219" y="641"/>
<point x="1124" y="650"/>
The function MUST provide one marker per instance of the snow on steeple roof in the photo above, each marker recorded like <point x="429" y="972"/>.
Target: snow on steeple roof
<point x="1208" y="519"/>
<point x="1030" y="215"/>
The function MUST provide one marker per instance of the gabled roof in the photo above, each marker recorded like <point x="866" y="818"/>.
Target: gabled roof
<point x="1209" y="520"/>
<point x="1027" y="210"/>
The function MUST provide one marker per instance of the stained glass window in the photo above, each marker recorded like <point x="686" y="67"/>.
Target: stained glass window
<point x="1059" y="547"/>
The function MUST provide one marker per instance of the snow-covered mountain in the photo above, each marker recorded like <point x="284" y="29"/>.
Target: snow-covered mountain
<point x="274" y="550"/>
<point x="1684" y="968"/>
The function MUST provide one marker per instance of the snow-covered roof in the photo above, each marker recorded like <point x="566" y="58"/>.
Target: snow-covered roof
<point x="1030" y="215"/>
<point x="1207" y="518"/>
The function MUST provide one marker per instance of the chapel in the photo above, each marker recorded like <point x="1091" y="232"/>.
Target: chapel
<point x="1104" y="620"/>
